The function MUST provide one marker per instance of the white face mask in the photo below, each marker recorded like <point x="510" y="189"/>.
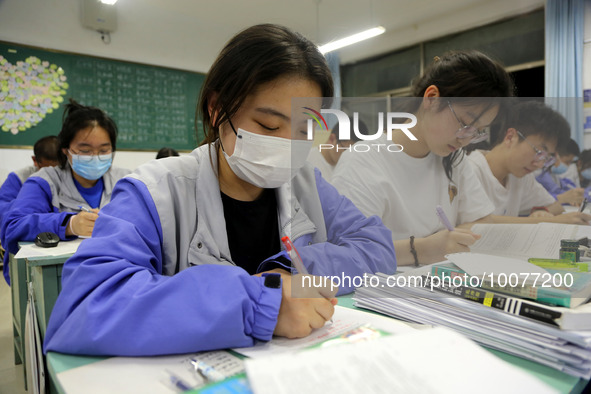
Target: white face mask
<point x="266" y="161"/>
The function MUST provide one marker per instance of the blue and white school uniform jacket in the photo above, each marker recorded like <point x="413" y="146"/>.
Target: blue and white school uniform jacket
<point x="157" y="276"/>
<point x="11" y="186"/>
<point x="45" y="203"/>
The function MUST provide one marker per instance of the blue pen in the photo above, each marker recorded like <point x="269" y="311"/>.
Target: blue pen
<point x="82" y="207"/>
<point x="443" y="218"/>
<point x="178" y="383"/>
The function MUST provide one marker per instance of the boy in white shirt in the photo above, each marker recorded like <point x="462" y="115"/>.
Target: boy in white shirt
<point x="528" y="142"/>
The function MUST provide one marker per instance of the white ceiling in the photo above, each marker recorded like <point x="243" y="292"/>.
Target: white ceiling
<point x="188" y="34"/>
<point x="406" y="21"/>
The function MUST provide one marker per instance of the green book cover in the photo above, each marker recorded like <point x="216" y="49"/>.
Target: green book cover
<point x="549" y="289"/>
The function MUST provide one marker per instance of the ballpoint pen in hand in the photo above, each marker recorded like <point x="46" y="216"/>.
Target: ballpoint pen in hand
<point x="82" y="207"/>
<point x="294" y="255"/>
<point x="444" y="220"/>
<point x="583" y="205"/>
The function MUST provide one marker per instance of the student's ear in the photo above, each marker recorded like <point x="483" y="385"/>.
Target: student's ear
<point x="212" y="107"/>
<point x="35" y="162"/>
<point x="431" y="96"/>
<point x="511" y="136"/>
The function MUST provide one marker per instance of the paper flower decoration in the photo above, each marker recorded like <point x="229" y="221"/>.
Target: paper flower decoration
<point x="28" y="91"/>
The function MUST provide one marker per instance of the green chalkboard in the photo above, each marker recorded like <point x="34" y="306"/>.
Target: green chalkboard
<point x="152" y="106"/>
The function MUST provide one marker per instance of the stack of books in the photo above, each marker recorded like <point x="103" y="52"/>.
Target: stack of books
<point x="549" y="323"/>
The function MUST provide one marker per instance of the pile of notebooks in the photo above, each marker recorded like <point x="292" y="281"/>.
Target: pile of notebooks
<point x="553" y="335"/>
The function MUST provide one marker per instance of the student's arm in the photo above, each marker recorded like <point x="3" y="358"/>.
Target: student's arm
<point x="356" y="244"/>
<point x="10" y="188"/>
<point x="115" y="300"/>
<point x="571" y="197"/>
<point x="555" y="208"/>
<point x="31" y="213"/>
<point x="433" y="248"/>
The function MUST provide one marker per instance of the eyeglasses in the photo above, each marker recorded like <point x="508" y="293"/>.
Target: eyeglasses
<point x="541" y="155"/>
<point x="469" y="131"/>
<point x="86" y="156"/>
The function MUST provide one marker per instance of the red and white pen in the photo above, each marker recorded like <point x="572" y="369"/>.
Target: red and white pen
<point x="294" y="256"/>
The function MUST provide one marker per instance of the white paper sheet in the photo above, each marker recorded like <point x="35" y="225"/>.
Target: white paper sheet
<point x="344" y="319"/>
<point x="423" y="361"/>
<point x="140" y="374"/>
<point x="63" y="248"/>
<point x="480" y="265"/>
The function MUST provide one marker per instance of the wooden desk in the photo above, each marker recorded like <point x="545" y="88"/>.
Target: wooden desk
<point x="57" y="362"/>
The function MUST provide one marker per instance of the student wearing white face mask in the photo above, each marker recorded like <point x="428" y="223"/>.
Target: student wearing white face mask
<point x="188" y="257"/>
<point x="50" y="200"/>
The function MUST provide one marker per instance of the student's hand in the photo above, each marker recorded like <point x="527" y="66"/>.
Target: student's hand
<point x="434" y="247"/>
<point x="540" y="213"/>
<point x="82" y="223"/>
<point x="298" y="316"/>
<point x="571" y="218"/>
<point x="572" y="197"/>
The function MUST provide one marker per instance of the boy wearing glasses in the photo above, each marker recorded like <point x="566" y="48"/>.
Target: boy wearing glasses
<point x="528" y="142"/>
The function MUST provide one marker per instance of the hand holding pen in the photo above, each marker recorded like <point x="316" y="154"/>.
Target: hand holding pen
<point x="82" y="223"/>
<point x="307" y="301"/>
<point x="433" y="248"/>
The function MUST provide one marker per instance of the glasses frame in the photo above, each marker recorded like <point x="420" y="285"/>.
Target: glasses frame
<point x="541" y="155"/>
<point x="469" y="131"/>
<point x="88" y="158"/>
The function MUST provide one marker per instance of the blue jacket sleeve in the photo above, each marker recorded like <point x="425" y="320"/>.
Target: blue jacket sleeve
<point x="32" y="213"/>
<point x="8" y="192"/>
<point x="356" y="244"/>
<point x="115" y="300"/>
<point x="545" y="179"/>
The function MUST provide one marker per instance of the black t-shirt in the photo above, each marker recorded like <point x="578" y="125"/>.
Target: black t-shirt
<point x="252" y="228"/>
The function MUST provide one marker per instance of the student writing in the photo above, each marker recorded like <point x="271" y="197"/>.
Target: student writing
<point x="561" y="179"/>
<point x="50" y="200"/>
<point x="45" y="155"/>
<point x="526" y="143"/>
<point x="187" y="255"/>
<point x="457" y="98"/>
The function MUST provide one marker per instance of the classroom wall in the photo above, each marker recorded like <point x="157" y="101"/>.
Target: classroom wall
<point x="55" y="24"/>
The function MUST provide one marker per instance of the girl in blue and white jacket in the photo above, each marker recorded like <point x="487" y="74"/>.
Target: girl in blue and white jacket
<point x="187" y="256"/>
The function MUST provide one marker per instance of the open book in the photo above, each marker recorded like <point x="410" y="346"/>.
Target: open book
<point x="522" y="241"/>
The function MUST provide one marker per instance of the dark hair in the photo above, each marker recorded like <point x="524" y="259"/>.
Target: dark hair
<point x="166" y="152"/>
<point x="533" y="117"/>
<point x="362" y="129"/>
<point x="47" y="148"/>
<point x="78" y="117"/>
<point x="570" y="148"/>
<point x="255" y="56"/>
<point x="471" y="75"/>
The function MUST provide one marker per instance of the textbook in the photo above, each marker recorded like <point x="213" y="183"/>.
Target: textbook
<point x="524" y="241"/>
<point x="567" y="319"/>
<point x="562" y="288"/>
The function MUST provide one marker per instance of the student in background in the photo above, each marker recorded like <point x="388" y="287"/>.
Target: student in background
<point x="404" y="188"/>
<point x="326" y="156"/>
<point x="45" y="155"/>
<point x="166" y="152"/>
<point x="527" y="142"/>
<point x="562" y="186"/>
<point x="584" y="168"/>
<point x="197" y="263"/>
<point x="51" y="199"/>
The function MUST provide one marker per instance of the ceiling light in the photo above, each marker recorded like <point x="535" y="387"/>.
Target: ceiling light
<point x="109" y="2"/>
<point x="343" y="42"/>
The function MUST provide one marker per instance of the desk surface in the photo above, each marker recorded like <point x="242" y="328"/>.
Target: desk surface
<point x="57" y="362"/>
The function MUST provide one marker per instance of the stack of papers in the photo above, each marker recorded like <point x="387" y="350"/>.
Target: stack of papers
<point x="567" y="351"/>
